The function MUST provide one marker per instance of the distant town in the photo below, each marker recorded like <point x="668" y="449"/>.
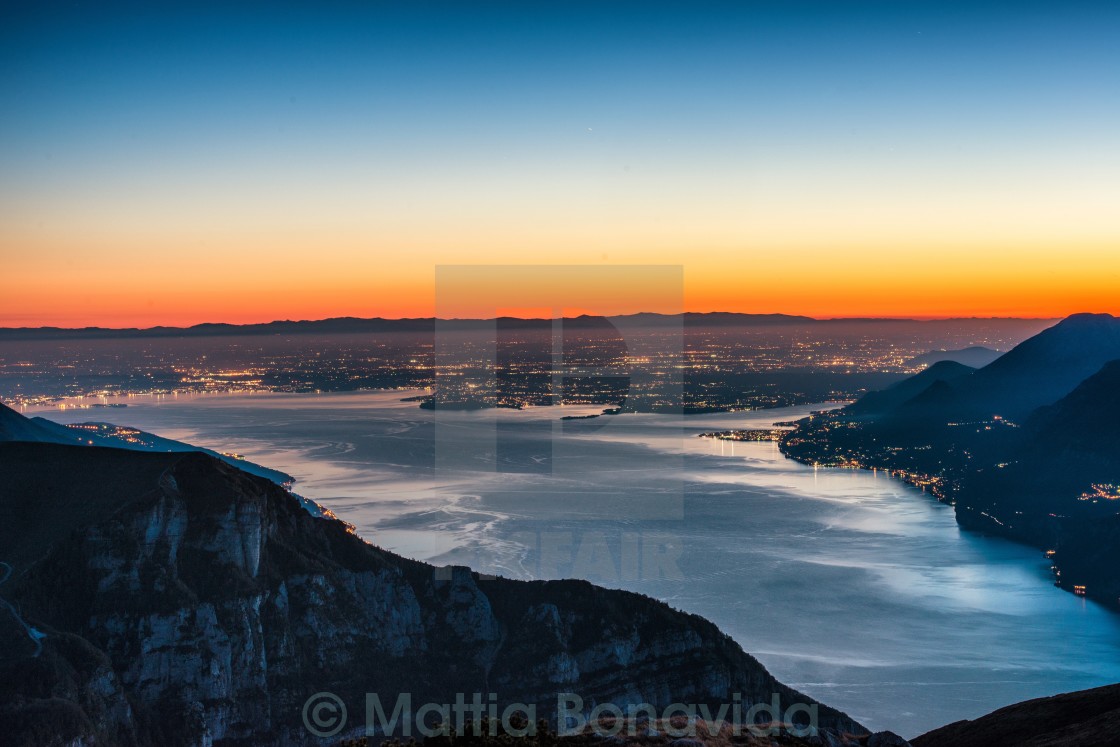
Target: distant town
<point x="701" y="367"/>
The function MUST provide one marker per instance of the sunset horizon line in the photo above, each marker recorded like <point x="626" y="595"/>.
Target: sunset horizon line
<point x="406" y="318"/>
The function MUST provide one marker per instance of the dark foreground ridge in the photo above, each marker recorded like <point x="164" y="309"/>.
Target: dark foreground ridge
<point x="16" y="427"/>
<point x="1089" y="718"/>
<point x="172" y="599"/>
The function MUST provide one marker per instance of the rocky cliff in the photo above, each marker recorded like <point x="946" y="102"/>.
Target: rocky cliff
<point x="172" y="599"/>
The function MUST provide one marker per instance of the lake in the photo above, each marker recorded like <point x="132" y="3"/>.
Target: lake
<point x="847" y="585"/>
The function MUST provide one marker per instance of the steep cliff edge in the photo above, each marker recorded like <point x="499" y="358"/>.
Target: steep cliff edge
<point x="177" y="600"/>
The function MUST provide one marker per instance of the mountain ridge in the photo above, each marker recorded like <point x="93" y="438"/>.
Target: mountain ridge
<point x="898" y="394"/>
<point x="349" y="324"/>
<point x="15" y="427"/>
<point x="1022" y="448"/>
<point x="1087" y="718"/>
<point x="1049" y="365"/>
<point x="195" y="603"/>
<point x="975" y="356"/>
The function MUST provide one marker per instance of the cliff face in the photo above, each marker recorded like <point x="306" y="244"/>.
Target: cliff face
<point x="197" y="604"/>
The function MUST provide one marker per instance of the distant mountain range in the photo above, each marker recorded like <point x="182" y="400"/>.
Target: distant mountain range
<point x="1027" y="447"/>
<point x="428" y="325"/>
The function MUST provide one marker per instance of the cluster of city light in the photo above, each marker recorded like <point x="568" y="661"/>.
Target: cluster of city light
<point x="1101" y="492"/>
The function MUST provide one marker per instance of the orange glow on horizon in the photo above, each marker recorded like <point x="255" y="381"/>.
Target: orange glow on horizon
<point x="120" y="263"/>
<point x="76" y="305"/>
<point x="796" y="175"/>
<point x="117" y="280"/>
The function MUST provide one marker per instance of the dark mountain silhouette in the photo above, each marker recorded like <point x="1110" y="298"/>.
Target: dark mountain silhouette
<point x="931" y="401"/>
<point x="1089" y="718"/>
<point x="895" y="396"/>
<point x="1087" y="419"/>
<point x="1060" y="486"/>
<point x="171" y="599"/>
<point x="1036" y="372"/>
<point x="976" y="356"/>
<point x="15" y="427"/>
<point x="41" y="506"/>
<point x="1027" y="447"/>
<point x="1045" y="367"/>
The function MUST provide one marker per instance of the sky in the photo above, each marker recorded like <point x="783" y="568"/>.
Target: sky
<point x="243" y="163"/>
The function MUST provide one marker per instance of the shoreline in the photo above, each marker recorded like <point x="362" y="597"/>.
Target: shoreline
<point x="934" y="492"/>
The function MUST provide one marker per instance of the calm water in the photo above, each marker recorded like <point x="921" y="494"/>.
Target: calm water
<point x="848" y="585"/>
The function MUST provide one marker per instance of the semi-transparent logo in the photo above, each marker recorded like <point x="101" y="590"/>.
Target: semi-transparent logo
<point x="556" y="404"/>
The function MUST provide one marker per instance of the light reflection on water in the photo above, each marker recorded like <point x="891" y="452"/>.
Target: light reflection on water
<point x="848" y="585"/>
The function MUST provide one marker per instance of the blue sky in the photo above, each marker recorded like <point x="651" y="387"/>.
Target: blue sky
<point x="371" y="122"/>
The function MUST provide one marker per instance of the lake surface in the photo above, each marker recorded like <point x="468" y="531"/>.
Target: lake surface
<point x="847" y="585"/>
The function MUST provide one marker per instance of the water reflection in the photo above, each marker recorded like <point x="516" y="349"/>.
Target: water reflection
<point x="849" y="585"/>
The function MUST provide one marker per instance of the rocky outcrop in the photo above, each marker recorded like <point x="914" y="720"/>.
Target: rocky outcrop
<point x="186" y="602"/>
